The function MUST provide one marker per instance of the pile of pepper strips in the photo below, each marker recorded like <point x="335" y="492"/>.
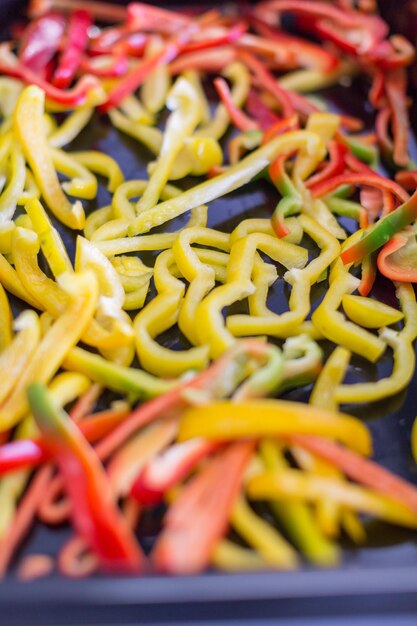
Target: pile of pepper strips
<point x="203" y="439"/>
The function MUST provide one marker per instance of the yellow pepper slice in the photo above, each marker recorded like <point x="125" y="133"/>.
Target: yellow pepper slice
<point x="134" y="109"/>
<point x="28" y="124"/>
<point x="212" y="329"/>
<point x="65" y="333"/>
<point x="6" y="317"/>
<point x="335" y="327"/>
<point x="296" y="517"/>
<point x="49" y="238"/>
<point x="266" y="418"/>
<point x="14" y="189"/>
<point x="71" y="127"/>
<point x="16" y="356"/>
<point x="235" y="177"/>
<point x="325" y="125"/>
<point x="184" y="117"/>
<point x="155" y="87"/>
<point x="97" y="218"/>
<point x="160" y="314"/>
<point x="267" y="541"/>
<point x="369" y="313"/>
<point x="82" y="183"/>
<point x="230" y="557"/>
<point x="102" y="164"/>
<point x="150" y="136"/>
<point x="12" y="283"/>
<point x="332" y="374"/>
<point x="296" y="485"/>
<point x="301" y="280"/>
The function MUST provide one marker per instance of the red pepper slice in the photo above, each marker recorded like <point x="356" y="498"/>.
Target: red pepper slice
<point x="94" y="514"/>
<point x="334" y="167"/>
<point x="265" y="80"/>
<point x="305" y="53"/>
<point x="399" y="266"/>
<point x="142" y="17"/>
<point x="231" y="36"/>
<point x="168" y="469"/>
<point x="75" y="44"/>
<point x="103" y="11"/>
<point x="359" y="178"/>
<point x="199" y="517"/>
<point x="260" y="112"/>
<point x="70" y="97"/>
<point x="396" y="92"/>
<point x="238" y="117"/>
<point x="40" y="41"/>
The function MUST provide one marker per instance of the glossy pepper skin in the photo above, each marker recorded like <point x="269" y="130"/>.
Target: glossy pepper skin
<point x="382" y="231"/>
<point x="95" y="515"/>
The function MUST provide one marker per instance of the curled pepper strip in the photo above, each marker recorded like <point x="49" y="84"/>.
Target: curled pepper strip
<point x="29" y="129"/>
<point x="82" y="183"/>
<point x="335" y="327"/>
<point x="71" y="127"/>
<point x="242" y="256"/>
<point x="404" y="357"/>
<point x="200" y="275"/>
<point x="159" y="315"/>
<point x="396" y="259"/>
<point x="301" y="280"/>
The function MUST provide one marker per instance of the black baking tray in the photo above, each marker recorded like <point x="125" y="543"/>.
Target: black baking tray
<point x="377" y="583"/>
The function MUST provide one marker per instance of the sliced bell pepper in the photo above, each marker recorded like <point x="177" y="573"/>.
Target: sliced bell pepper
<point x="76" y="40"/>
<point x="381" y="232"/>
<point x="94" y="513"/>
<point x="41" y="40"/>
<point x="199" y="517"/>
<point x="397" y="259"/>
<point x="29" y="129"/>
<point x="369" y="313"/>
<point x="223" y="421"/>
<point x="238" y="117"/>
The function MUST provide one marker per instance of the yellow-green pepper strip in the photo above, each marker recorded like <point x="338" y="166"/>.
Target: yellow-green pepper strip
<point x="70" y="127"/>
<point x="334" y="325"/>
<point x="6" y="334"/>
<point x="16" y="356"/>
<point x="124" y="245"/>
<point x="404" y="357"/>
<point x="116" y="331"/>
<point x="212" y="328"/>
<point x="294" y="485"/>
<point x="10" y="90"/>
<point x="155" y="87"/>
<point x="150" y="136"/>
<point x="185" y="116"/>
<point x="29" y="128"/>
<point x="134" y="109"/>
<point x="197" y="157"/>
<point x="122" y="207"/>
<point x="325" y="125"/>
<point x="330" y="377"/>
<point x="343" y="207"/>
<point x="230" y="557"/>
<point x="97" y="218"/>
<point x="225" y="421"/>
<point x="242" y="143"/>
<point x="200" y="275"/>
<point x="14" y="189"/>
<point x="130" y="381"/>
<point x="266" y="540"/>
<point x="12" y="283"/>
<point x="124" y="211"/>
<point x="240" y="78"/>
<point x="235" y="177"/>
<point x="194" y="78"/>
<point x="49" y="238"/>
<point x="82" y="183"/>
<point x="101" y="164"/>
<point x="301" y="281"/>
<point x="47" y="358"/>
<point x="309" y="80"/>
<point x="263" y="225"/>
<point x="302" y="362"/>
<point x="318" y="210"/>
<point x="160" y="314"/>
<point x="296" y="517"/>
<point x="265" y="380"/>
<point x="30" y="190"/>
<point x="135" y="278"/>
